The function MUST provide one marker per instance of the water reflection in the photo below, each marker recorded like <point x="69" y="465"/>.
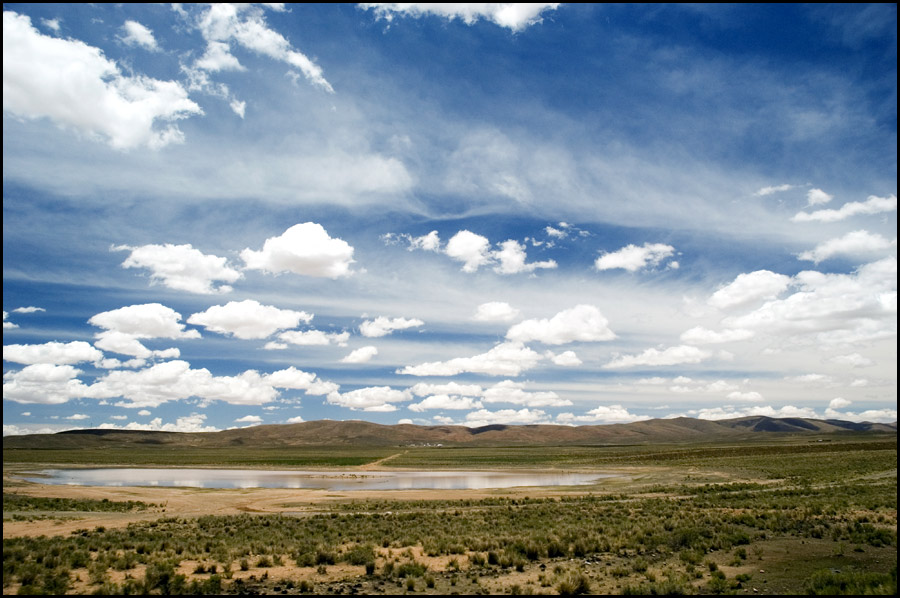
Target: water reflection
<point x="343" y="481"/>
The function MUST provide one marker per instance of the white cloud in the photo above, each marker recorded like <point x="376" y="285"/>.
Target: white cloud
<point x="299" y="380"/>
<point x="451" y="388"/>
<point x="515" y="17"/>
<point x="7" y="324"/>
<point x="188" y="423"/>
<point x="128" y="344"/>
<point x="612" y="414"/>
<point x="871" y="415"/>
<point x="856" y="243"/>
<point x="495" y="311"/>
<point x="703" y="336"/>
<point x="149" y="320"/>
<point x="774" y="189"/>
<point x="44" y="384"/>
<point x="512" y="259"/>
<point x="854" y="360"/>
<point x="749" y="288"/>
<point x="508" y="391"/>
<point x="74" y="85"/>
<point x="583" y="323"/>
<point x="248" y="319"/>
<point x="565" y="359"/>
<point x="361" y="355"/>
<point x="304" y="249"/>
<point x="372" y="398"/>
<point x="176" y="380"/>
<point x="505" y="359"/>
<point x="556" y="233"/>
<point x="52" y="353"/>
<point x="78" y="416"/>
<point x="218" y="57"/>
<point x="839" y="403"/>
<point x="633" y="258"/>
<point x="429" y="242"/>
<point x="144" y="413"/>
<point x="483" y="417"/>
<point x="307" y="338"/>
<point x="471" y="249"/>
<point x="837" y="309"/>
<point x="872" y="205"/>
<point x="816" y="197"/>
<point x="443" y="401"/>
<point x="28" y="310"/>
<point x="51" y="24"/>
<point x="382" y="326"/>
<point x="181" y="267"/>
<point x="249" y="419"/>
<point x="118" y="417"/>
<point x="295" y="420"/>
<point x="729" y="412"/>
<point x="655" y="357"/>
<point x="135" y="34"/>
<point x="246" y="25"/>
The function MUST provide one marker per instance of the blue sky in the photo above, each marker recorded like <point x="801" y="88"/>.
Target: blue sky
<point x="232" y="215"/>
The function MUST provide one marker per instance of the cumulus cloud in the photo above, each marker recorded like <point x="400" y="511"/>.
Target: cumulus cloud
<point x="512" y="259"/>
<point x="249" y="419"/>
<point x="189" y="423"/>
<point x="382" y="326"/>
<point x="655" y="357"/>
<point x="870" y="415"/>
<point x="52" y="353"/>
<point x="7" y="324"/>
<point x="836" y="309"/>
<point x="633" y="258"/>
<point x="176" y="380"/>
<point x="748" y="288"/>
<point x="839" y="403"/>
<point x="872" y="205"/>
<point x="856" y="243"/>
<point x="248" y="319"/>
<point x="816" y="197"/>
<point x="612" y="414"/>
<point x="565" y="359"/>
<point x="181" y="267"/>
<point x="505" y="359"/>
<point x="515" y="17"/>
<point x="515" y="393"/>
<point x="78" y="416"/>
<point x="135" y="34"/>
<point x="78" y="88"/>
<point x="483" y="417"/>
<point x="730" y="412"/>
<point x="451" y="388"/>
<point x="294" y="420"/>
<point x="304" y="249"/>
<point x="44" y="384"/>
<point x="448" y="402"/>
<point x="495" y="311"/>
<point x="126" y="325"/>
<point x="299" y="380"/>
<point x="750" y="397"/>
<point x="583" y="323"/>
<point x="361" y="355"/>
<point x="471" y="249"/>
<point x="28" y="310"/>
<point x="372" y="398"/>
<point x="703" y="336"/>
<point x="429" y="242"/>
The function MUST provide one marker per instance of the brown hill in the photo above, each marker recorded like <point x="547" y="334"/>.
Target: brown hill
<point x="361" y="433"/>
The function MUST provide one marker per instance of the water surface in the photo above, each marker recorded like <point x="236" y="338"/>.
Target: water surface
<point x="328" y="480"/>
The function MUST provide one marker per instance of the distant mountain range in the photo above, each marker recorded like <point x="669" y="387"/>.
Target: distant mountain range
<point x="360" y="433"/>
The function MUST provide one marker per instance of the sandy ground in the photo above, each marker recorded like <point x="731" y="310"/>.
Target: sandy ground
<point x="195" y="502"/>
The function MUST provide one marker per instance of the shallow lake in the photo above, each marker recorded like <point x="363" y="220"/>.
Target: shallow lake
<point x="328" y="480"/>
